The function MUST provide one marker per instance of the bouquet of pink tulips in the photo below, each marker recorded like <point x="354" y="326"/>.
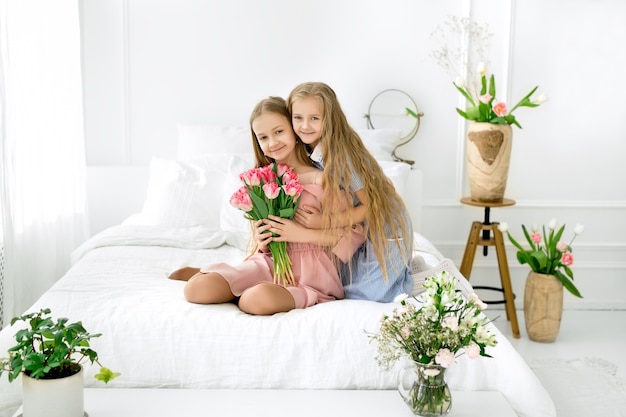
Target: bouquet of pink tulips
<point x="272" y="189"/>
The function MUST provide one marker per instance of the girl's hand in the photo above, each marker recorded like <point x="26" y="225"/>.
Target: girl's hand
<point x="285" y="230"/>
<point x="263" y="235"/>
<point x="309" y="216"/>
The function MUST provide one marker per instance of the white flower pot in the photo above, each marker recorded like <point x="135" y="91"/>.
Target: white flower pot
<point x="61" y="397"/>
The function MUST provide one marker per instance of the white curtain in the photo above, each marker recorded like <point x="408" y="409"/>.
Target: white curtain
<point x="42" y="188"/>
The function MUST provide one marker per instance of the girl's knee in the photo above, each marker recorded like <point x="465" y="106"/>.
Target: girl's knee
<point x="266" y="299"/>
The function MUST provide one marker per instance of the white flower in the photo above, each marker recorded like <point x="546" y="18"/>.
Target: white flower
<point x="400" y="297"/>
<point x="451" y="323"/>
<point x="579" y="229"/>
<point x="534" y="228"/>
<point x="542" y="98"/>
<point x="460" y="82"/>
<point x="482" y="68"/>
<point x="503" y="227"/>
<point x="552" y="224"/>
<point x="479" y="303"/>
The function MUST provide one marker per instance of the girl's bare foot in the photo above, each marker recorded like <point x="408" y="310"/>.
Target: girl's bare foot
<point x="184" y="273"/>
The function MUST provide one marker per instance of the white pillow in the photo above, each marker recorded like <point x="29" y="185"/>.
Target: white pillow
<point x="398" y="173"/>
<point x="381" y="142"/>
<point x="195" y="140"/>
<point x="231" y="219"/>
<point x="185" y="194"/>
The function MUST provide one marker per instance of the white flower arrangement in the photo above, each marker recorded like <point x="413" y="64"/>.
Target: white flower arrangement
<point x="435" y="329"/>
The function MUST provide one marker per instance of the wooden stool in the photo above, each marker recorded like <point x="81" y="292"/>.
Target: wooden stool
<point x="475" y="239"/>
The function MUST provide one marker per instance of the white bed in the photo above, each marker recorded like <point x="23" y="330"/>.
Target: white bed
<point x="118" y="286"/>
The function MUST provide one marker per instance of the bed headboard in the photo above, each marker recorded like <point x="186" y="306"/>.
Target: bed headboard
<point x="193" y="185"/>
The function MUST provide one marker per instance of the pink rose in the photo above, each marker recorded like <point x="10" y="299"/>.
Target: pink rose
<point x="499" y="108"/>
<point x="562" y="246"/>
<point x="271" y="190"/>
<point x="535" y="237"/>
<point x="567" y="259"/>
<point x="485" y="98"/>
<point x="251" y="177"/>
<point x="241" y="200"/>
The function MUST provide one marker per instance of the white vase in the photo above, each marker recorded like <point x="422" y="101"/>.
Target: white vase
<point x="60" y="397"/>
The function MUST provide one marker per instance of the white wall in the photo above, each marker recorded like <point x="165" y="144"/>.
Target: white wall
<point x="150" y="64"/>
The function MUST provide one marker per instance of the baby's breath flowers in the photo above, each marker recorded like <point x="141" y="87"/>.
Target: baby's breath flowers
<point x="435" y="326"/>
<point x="548" y="254"/>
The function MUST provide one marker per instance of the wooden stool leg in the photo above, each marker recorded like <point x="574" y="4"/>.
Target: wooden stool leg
<point x="505" y="279"/>
<point x="470" y="250"/>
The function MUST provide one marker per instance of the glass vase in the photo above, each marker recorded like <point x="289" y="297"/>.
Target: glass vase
<point x="424" y="389"/>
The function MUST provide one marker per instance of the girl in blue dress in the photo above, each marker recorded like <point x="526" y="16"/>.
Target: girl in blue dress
<point x="381" y="266"/>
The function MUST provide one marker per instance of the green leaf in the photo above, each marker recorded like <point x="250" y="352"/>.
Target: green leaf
<point x="492" y="86"/>
<point x="525" y="99"/>
<point x="412" y="113"/>
<point x="465" y="94"/>
<point x="259" y="204"/>
<point x="568" y="284"/>
<point x="106" y="375"/>
<point x="286" y="213"/>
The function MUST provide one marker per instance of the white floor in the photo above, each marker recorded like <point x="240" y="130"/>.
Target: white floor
<point x="583" y="333"/>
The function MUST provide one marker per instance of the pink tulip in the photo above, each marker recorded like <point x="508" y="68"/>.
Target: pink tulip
<point x="267" y="173"/>
<point x="562" y="246"/>
<point x="271" y="190"/>
<point x="293" y="188"/>
<point x="567" y="259"/>
<point x="241" y="200"/>
<point x="535" y="237"/>
<point x="499" y="108"/>
<point x="289" y="176"/>
<point x="282" y="169"/>
<point x="251" y="177"/>
<point x="485" y="98"/>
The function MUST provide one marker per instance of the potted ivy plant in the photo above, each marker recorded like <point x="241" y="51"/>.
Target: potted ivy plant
<point x="48" y="355"/>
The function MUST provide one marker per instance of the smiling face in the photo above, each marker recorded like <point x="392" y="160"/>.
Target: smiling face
<point x="306" y="117"/>
<point x="275" y="136"/>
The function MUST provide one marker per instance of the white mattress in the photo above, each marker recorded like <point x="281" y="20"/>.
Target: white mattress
<point x="118" y="286"/>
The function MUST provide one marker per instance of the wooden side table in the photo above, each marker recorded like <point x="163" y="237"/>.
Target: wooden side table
<point x="481" y="235"/>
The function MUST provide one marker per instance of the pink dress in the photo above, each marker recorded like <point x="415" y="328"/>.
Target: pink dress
<point x="315" y="273"/>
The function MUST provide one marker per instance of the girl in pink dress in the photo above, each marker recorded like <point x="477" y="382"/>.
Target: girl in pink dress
<point x="314" y="253"/>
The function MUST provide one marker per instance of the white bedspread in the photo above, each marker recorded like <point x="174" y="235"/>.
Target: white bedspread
<point x="119" y="287"/>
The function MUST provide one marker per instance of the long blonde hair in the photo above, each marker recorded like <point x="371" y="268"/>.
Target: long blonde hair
<point x="386" y="218"/>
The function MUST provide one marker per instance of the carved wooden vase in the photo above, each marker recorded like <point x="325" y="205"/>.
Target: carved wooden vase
<point x="543" y="306"/>
<point x="488" y="158"/>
